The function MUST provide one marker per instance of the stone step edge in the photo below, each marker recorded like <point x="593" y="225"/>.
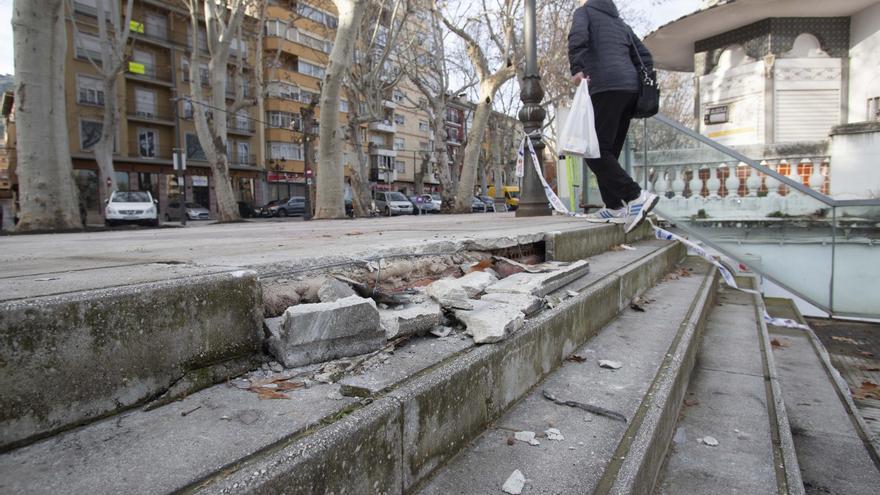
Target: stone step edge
<point x="871" y="442"/>
<point x="636" y="463"/>
<point x="401" y="438"/>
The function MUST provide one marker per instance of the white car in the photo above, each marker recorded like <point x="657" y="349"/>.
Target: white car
<point x="392" y="203"/>
<point x="131" y="207"/>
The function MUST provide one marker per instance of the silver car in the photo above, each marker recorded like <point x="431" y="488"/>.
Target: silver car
<point x="392" y="203"/>
<point x="194" y="211"/>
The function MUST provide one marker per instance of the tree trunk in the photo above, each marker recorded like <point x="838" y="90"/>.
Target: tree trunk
<point x="104" y="147"/>
<point x="360" y="185"/>
<point x="421" y="168"/>
<point x="330" y="202"/>
<point x="447" y="179"/>
<point x="48" y="194"/>
<point x="472" y="152"/>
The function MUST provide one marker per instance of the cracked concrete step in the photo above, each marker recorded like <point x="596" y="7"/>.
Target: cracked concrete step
<point x="598" y="454"/>
<point x="829" y="437"/>
<point x="732" y="434"/>
<point x="230" y="431"/>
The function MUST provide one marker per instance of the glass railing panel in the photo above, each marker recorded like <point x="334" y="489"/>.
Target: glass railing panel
<point x="780" y="231"/>
<point x="856" y="259"/>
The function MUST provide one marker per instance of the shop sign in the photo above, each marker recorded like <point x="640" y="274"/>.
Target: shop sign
<point x="200" y="181"/>
<point x="284" y="177"/>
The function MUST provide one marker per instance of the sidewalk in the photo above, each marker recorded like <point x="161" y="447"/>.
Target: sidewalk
<point x="37" y="265"/>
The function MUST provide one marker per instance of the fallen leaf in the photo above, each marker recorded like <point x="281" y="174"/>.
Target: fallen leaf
<point x="267" y="393"/>
<point x="846" y="340"/>
<point x="869" y="368"/>
<point x="286" y="386"/>
<point x="482" y="265"/>
<point x="637" y="307"/>
<point x="866" y="353"/>
<point x="778" y="343"/>
<point x="868" y="390"/>
<point x="327" y="235"/>
<point x="574" y="358"/>
<point x="355" y="232"/>
<point x="612" y="365"/>
<point x="691" y="402"/>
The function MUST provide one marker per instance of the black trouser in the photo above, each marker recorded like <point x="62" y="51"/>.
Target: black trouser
<point x="613" y="111"/>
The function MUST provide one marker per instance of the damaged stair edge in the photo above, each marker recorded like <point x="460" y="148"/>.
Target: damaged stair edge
<point x="426" y="419"/>
<point x="638" y="459"/>
<point x="871" y="442"/>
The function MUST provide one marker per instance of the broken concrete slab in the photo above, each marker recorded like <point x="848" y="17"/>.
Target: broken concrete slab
<point x="455" y="292"/>
<point x="491" y="321"/>
<point x="540" y="284"/>
<point x="333" y="290"/>
<point x="311" y="333"/>
<point x="410" y="320"/>
<point x="527" y="304"/>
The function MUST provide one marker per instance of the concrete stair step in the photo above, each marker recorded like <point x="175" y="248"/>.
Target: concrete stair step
<point x="599" y="454"/>
<point x="833" y="444"/>
<point x="230" y="440"/>
<point x="732" y="434"/>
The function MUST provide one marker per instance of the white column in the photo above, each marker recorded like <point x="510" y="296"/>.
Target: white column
<point x="696" y="184"/>
<point x="678" y="182"/>
<point x="732" y="182"/>
<point x="661" y="185"/>
<point x="771" y="182"/>
<point x="753" y="183"/>
<point x="714" y="183"/>
<point x="816" y="178"/>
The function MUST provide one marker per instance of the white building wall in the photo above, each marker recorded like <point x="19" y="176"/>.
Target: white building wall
<point x="741" y="89"/>
<point x="864" y="61"/>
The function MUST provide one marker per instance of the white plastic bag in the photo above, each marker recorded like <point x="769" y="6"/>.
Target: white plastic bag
<point x="578" y="135"/>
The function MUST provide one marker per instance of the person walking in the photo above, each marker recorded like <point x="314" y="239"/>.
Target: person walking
<point x="602" y="49"/>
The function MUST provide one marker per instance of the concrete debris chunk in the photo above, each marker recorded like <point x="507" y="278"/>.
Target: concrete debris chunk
<point x="554" y="434"/>
<point x="612" y="365"/>
<point x="333" y="290"/>
<point x="441" y="332"/>
<point x="527" y="304"/>
<point x="490" y="321"/>
<point x="710" y="441"/>
<point x="541" y="284"/>
<point x="312" y="333"/>
<point x="410" y="320"/>
<point x="515" y="483"/>
<point x="455" y="292"/>
<point x="527" y="437"/>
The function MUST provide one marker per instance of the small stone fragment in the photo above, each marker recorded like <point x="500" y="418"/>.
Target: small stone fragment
<point x="527" y="436"/>
<point x="612" y="365"/>
<point x="554" y="434"/>
<point x="511" y="440"/>
<point x="333" y="290"/>
<point x="515" y="483"/>
<point x="710" y="441"/>
<point x="441" y="332"/>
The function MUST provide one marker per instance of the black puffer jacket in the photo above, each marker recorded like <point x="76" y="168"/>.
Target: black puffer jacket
<point x="599" y="46"/>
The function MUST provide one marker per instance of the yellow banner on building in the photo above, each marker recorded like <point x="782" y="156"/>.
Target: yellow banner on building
<point x="136" y="68"/>
<point x="136" y="27"/>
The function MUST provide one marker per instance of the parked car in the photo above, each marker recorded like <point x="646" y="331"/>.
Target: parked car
<point x="489" y="202"/>
<point x="194" y="211"/>
<point x="295" y="206"/>
<point x="246" y="210"/>
<point x="424" y="203"/>
<point x="392" y="203"/>
<point x="437" y="200"/>
<point x="270" y="209"/>
<point x="131" y="207"/>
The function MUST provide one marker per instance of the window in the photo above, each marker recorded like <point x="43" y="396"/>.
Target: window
<point x="399" y="144"/>
<point x="144" y="103"/>
<point x="314" y="42"/>
<point x="874" y="108"/>
<point x="280" y="89"/>
<point x="90" y="90"/>
<point x="398" y="96"/>
<point x="309" y="96"/>
<point x="142" y="63"/>
<point x="204" y="75"/>
<point x="275" y="28"/>
<point x="194" y="149"/>
<point x="157" y="26"/>
<point x="244" y="153"/>
<point x="284" y="120"/>
<point x="238" y="48"/>
<point x="316" y="15"/>
<point x="424" y="146"/>
<point x="89" y="134"/>
<point x="148" y="142"/>
<point x="423" y="126"/>
<point x="203" y="38"/>
<point x="88" y="46"/>
<point x="399" y="166"/>
<point x="399" y="119"/>
<point x="187" y="109"/>
<point x="285" y="151"/>
<point x="310" y="69"/>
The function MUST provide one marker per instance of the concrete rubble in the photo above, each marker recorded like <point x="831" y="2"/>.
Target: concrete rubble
<point x="455" y="293"/>
<point x="333" y="290"/>
<point x="490" y="321"/>
<point x="410" y="320"/>
<point x="311" y="333"/>
<point x="540" y="284"/>
<point x="515" y="483"/>
<point x="525" y="303"/>
<point x="527" y="437"/>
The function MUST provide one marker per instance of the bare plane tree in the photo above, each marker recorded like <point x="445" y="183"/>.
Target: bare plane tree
<point x="498" y="24"/>
<point x="114" y="43"/>
<point x="223" y="23"/>
<point x="48" y="195"/>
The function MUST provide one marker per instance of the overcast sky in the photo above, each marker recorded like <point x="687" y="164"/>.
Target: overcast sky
<point x="671" y="10"/>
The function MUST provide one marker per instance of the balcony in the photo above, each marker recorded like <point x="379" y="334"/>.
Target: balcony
<point x="147" y="151"/>
<point x="385" y="175"/>
<point x="383" y="126"/>
<point x="162" y="114"/>
<point x="382" y="150"/>
<point x="150" y="73"/>
<point x="150" y="32"/>
<point x="240" y="126"/>
<point x="236" y="160"/>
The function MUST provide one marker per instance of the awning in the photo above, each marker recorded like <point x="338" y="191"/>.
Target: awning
<point x="672" y="45"/>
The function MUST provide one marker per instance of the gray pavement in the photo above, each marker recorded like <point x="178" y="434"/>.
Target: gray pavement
<point x="36" y="265"/>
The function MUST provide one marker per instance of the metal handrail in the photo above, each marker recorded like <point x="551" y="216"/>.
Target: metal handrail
<point x="765" y="170"/>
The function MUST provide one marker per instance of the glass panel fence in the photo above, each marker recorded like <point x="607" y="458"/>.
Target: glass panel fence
<point x="856" y="259"/>
<point x="781" y="232"/>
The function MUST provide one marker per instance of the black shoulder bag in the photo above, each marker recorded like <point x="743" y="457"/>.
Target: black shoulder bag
<point x="649" y="89"/>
